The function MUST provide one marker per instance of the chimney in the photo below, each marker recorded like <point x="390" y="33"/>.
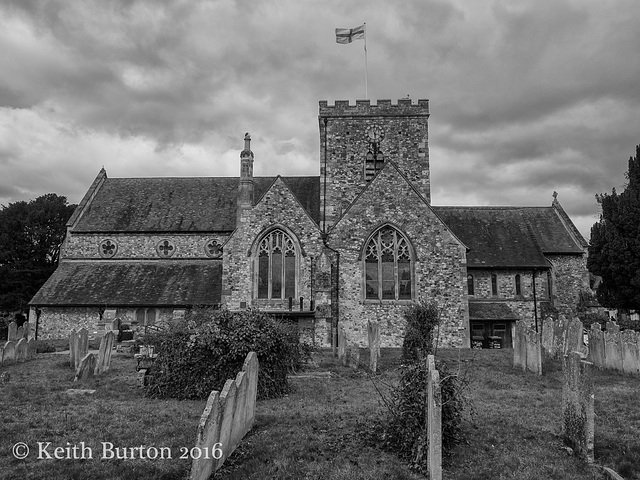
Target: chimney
<point x="245" y="190"/>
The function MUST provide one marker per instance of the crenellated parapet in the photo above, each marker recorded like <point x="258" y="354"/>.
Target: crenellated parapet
<point x="404" y="107"/>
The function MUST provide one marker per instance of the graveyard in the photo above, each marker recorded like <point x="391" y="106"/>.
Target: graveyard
<point x="323" y="429"/>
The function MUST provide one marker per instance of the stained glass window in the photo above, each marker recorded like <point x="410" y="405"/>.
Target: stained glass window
<point x="276" y="266"/>
<point x="387" y="266"/>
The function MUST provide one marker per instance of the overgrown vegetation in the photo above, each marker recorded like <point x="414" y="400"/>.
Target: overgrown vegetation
<point x="199" y="353"/>
<point x="404" y="430"/>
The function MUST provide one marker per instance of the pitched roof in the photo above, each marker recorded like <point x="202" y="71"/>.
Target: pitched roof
<point x="112" y="283"/>
<point x="490" y="311"/>
<point x="509" y="236"/>
<point x="179" y="204"/>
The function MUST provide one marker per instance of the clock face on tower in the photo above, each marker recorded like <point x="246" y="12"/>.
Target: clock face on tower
<point x="375" y="133"/>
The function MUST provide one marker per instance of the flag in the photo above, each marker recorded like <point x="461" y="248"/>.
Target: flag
<point x="348" y="35"/>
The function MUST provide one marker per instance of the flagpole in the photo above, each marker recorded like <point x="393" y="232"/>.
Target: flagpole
<point x="366" y="66"/>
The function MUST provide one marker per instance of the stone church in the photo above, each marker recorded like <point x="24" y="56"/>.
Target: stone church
<point x="360" y="241"/>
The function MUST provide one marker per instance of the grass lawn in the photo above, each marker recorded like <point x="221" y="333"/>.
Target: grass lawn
<point x="316" y="432"/>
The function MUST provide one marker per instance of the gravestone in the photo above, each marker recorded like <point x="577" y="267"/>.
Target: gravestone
<point x="21" y="350"/>
<point x="73" y="347"/>
<point x="612" y="327"/>
<point x="596" y="346"/>
<point x="9" y="353"/>
<point x="12" y="333"/>
<point x="342" y="346"/>
<point x="86" y="367"/>
<point x="373" y="330"/>
<point x="575" y="340"/>
<point x="613" y="350"/>
<point x="82" y="345"/>
<point x="560" y="328"/>
<point x="104" y="354"/>
<point x="19" y="333"/>
<point x="32" y="348"/>
<point x="548" y="344"/>
<point x="520" y="346"/>
<point x="577" y="405"/>
<point x="434" y="422"/>
<point x="354" y="356"/>
<point x="533" y="349"/>
<point x="630" y="352"/>
<point x="27" y="330"/>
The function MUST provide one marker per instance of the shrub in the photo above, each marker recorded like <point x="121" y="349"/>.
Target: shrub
<point x="422" y="321"/>
<point x="405" y="427"/>
<point x="44" y="347"/>
<point x="200" y="352"/>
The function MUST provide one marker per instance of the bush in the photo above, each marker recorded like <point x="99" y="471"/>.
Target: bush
<point x="45" y="347"/>
<point x="405" y="429"/>
<point x="422" y="321"/>
<point x="200" y="353"/>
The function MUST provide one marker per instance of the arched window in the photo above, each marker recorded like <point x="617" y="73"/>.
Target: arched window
<point x="276" y="266"/>
<point x="470" y="285"/>
<point x="387" y="266"/>
<point x="518" y="285"/>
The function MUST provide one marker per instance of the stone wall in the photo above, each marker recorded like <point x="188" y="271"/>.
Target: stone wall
<point x="277" y="208"/>
<point x="344" y="144"/>
<point x="55" y="322"/>
<point x="439" y="263"/>
<point x="507" y="285"/>
<point x="570" y="277"/>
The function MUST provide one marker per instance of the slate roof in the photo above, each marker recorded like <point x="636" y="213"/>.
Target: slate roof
<point x="156" y="283"/>
<point x="510" y="237"/>
<point x="490" y="311"/>
<point x="179" y="204"/>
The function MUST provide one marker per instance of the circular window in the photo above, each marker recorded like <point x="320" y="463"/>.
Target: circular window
<point x="108" y="248"/>
<point x="213" y="248"/>
<point x="165" y="248"/>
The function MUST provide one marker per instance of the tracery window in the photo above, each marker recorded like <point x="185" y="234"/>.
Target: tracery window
<point x="387" y="266"/>
<point x="276" y="266"/>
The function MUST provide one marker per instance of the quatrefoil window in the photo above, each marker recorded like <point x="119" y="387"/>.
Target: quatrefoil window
<point x="213" y="248"/>
<point x="108" y="248"/>
<point x="165" y="248"/>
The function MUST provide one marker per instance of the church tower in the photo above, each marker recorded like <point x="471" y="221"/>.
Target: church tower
<point x="357" y="140"/>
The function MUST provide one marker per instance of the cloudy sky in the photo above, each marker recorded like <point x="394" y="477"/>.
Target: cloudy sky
<point x="526" y="97"/>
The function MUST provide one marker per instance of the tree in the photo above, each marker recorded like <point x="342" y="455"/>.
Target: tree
<point x="30" y="237"/>
<point x="614" y="250"/>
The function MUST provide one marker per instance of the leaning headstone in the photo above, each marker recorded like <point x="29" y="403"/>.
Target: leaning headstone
<point x="251" y="367"/>
<point x="12" y="333"/>
<point x="208" y="437"/>
<point x="9" y="353"/>
<point x="86" y="367"/>
<point x="434" y="425"/>
<point x="82" y="345"/>
<point x="373" y="330"/>
<point x="577" y="405"/>
<point x="104" y="354"/>
<point x="228" y="402"/>
<point x="596" y="346"/>
<point x="21" y="350"/>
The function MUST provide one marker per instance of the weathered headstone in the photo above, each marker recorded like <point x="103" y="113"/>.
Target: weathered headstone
<point x="548" y="345"/>
<point x="560" y="328"/>
<point x="104" y="354"/>
<point x="26" y="327"/>
<point x="342" y="346"/>
<point x="73" y="347"/>
<point x="250" y="367"/>
<point x="354" y="356"/>
<point x="86" y="367"/>
<point x="82" y="345"/>
<point x="534" y="354"/>
<point x="32" y="348"/>
<point x="630" y="352"/>
<point x="520" y="346"/>
<point x="12" y="333"/>
<point x="577" y="405"/>
<point x="19" y="333"/>
<point x="9" y="353"/>
<point x="612" y="327"/>
<point x="434" y="425"/>
<point x="207" y="437"/>
<point x="596" y="345"/>
<point x="228" y="403"/>
<point x="21" y="350"/>
<point x="575" y="337"/>
<point x="612" y="350"/>
<point x="373" y="330"/>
